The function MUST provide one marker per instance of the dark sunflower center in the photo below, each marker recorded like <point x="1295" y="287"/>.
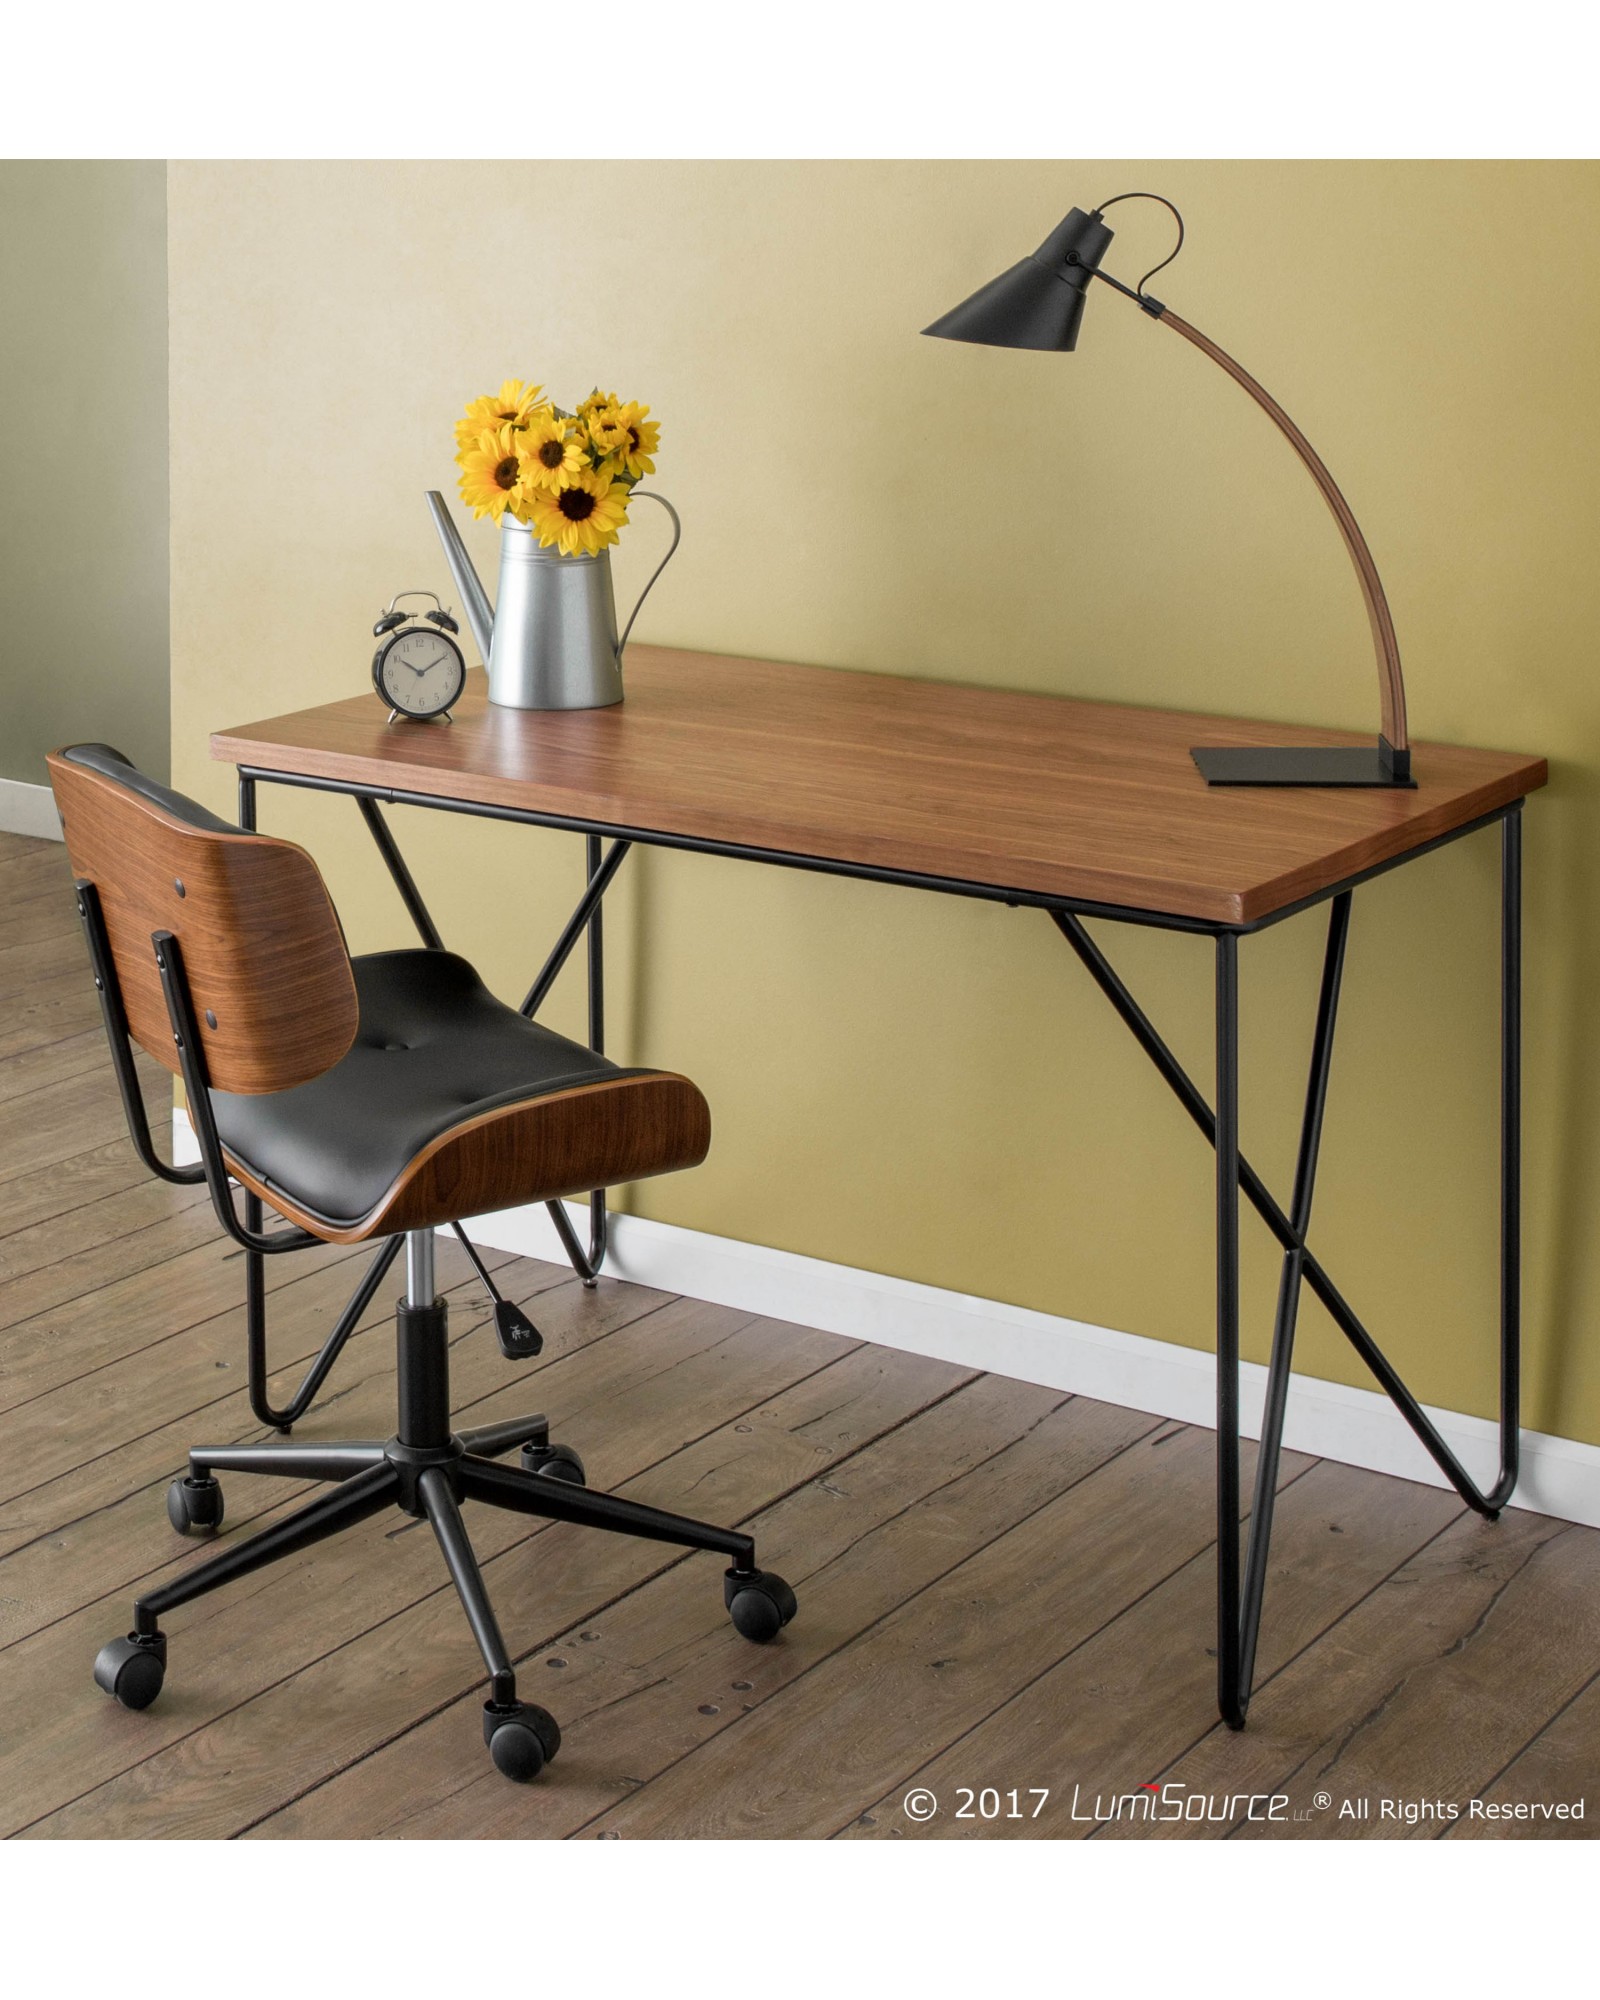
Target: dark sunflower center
<point x="576" y="504"/>
<point x="552" y="452"/>
<point x="505" y="474"/>
<point x="633" y="438"/>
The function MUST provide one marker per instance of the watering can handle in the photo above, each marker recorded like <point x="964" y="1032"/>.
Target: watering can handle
<point x="677" y="536"/>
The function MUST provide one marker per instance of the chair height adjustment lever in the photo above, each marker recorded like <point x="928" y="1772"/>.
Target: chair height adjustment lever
<point x="519" y="1338"/>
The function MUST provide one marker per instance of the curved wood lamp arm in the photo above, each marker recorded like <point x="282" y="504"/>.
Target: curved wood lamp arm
<point x="1394" y="743"/>
<point x="1392" y="688"/>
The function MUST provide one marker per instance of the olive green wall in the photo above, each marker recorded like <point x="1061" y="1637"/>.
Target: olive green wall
<point x="83" y="444"/>
<point x="911" y="1084"/>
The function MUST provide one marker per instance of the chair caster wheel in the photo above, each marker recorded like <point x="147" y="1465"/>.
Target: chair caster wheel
<point x="522" y="1738"/>
<point x="759" y="1603"/>
<point x="132" y="1669"/>
<point x="555" y="1461"/>
<point x="194" y="1505"/>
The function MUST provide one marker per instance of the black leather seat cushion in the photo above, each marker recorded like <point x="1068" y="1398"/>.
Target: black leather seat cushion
<point x="434" y="1049"/>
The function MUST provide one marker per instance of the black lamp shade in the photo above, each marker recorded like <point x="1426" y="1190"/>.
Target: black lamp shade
<point x="1039" y="302"/>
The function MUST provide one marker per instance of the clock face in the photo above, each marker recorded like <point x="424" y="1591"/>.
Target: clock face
<point x="422" y="672"/>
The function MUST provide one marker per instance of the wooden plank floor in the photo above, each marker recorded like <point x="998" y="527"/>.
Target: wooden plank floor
<point x="1001" y="1587"/>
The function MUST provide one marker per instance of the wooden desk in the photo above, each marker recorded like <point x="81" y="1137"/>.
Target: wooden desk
<point x="1062" y="799"/>
<point x="1076" y="808"/>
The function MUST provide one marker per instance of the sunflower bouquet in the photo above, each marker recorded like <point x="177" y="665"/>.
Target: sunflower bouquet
<point x="567" y="475"/>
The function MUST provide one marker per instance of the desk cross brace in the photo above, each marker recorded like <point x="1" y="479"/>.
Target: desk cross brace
<point x="1240" y="1589"/>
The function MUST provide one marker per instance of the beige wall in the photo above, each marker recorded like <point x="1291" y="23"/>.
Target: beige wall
<point x="83" y="447"/>
<point x="911" y="1084"/>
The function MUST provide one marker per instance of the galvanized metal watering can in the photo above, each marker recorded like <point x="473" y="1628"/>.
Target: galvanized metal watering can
<point x="550" y="639"/>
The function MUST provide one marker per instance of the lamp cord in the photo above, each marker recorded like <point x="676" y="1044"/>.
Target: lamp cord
<point x="1139" y="194"/>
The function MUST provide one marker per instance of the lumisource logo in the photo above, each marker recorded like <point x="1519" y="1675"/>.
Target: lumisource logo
<point x="1155" y="1802"/>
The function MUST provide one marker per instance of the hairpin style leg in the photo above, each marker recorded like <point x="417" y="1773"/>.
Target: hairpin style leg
<point x="1239" y="1608"/>
<point x="1487" y="1503"/>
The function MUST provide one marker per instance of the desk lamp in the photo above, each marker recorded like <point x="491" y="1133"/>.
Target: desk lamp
<point x="1039" y="304"/>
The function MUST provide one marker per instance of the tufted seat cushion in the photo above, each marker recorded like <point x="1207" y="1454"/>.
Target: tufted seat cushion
<point x="436" y="1052"/>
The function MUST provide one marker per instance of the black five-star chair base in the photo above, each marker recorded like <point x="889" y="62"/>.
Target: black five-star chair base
<point x="427" y="1470"/>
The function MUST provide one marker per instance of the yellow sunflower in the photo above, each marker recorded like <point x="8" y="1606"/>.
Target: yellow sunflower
<point x="597" y="399"/>
<point x="639" y="441"/>
<point x="552" y="453"/>
<point x="517" y="404"/>
<point x="493" y="475"/>
<point x="580" y="519"/>
<point x="607" y="431"/>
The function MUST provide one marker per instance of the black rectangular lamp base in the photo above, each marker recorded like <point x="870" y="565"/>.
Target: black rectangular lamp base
<point x="1255" y="765"/>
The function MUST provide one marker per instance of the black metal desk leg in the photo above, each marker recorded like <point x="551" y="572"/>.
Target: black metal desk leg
<point x="589" y="917"/>
<point x="1230" y="1698"/>
<point x="1510" y="1154"/>
<point x="597" y="1042"/>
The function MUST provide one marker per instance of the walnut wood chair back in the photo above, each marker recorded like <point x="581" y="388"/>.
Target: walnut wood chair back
<point x="262" y="949"/>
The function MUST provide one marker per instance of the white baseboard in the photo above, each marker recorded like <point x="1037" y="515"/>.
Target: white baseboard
<point x="185" y="1147"/>
<point x="29" y="809"/>
<point x="1326" y="1419"/>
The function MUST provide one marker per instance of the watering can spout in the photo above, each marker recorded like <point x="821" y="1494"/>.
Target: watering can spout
<point x="474" y="598"/>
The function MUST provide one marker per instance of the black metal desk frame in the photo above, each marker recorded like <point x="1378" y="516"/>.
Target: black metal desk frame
<point x="1240" y="1586"/>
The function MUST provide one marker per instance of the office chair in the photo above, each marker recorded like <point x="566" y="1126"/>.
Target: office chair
<point x="373" y="1098"/>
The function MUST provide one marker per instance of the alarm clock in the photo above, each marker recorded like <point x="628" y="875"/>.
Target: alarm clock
<point x="418" y="668"/>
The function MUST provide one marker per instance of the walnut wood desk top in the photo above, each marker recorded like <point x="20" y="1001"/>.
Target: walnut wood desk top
<point x="1082" y="800"/>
